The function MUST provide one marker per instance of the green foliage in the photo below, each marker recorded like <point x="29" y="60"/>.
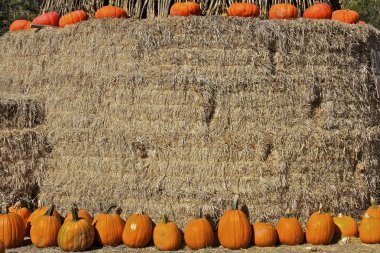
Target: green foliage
<point x="369" y="10"/>
<point x="17" y="9"/>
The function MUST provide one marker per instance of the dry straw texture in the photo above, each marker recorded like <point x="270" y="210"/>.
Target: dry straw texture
<point x="179" y="113"/>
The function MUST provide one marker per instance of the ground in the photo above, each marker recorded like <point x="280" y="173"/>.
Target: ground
<point x="351" y="246"/>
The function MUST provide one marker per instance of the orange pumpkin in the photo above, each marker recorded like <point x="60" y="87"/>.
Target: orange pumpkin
<point x="243" y="10"/>
<point x="22" y="211"/>
<point x="320" y="228"/>
<point x="166" y="235"/>
<point x="345" y="226"/>
<point x="138" y="230"/>
<point x="264" y="234"/>
<point x="185" y="9"/>
<point x="289" y="230"/>
<point x="2" y="248"/>
<point x="38" y="213"/>
<point x="108" y="228"/>
<point x="50" y="18"/>
<point x="283" y="11"/>
<point x="198" y="233"/>
<point x="45" y="230"/>
<point x="234" y="229"/>
<point x="318" y="11"/>
<point x="76" y="234"/>
<point x="374" y="209"/>
<point x="12" y="229"/>
<point x="72" y="18"/>
<point x="81" y="214"/>
<point x="346" y="16"/>
<point x="110" y="12"/>
<point x="18" y="25"/>
<point x="369" y="229"/>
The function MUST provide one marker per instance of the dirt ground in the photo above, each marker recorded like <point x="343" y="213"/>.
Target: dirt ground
<point x="352" y="246"/>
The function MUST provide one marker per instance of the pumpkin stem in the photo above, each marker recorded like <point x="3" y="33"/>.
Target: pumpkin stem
<point x="288" y="214"/>
<point x="198" y="213"/>
<point x="17" y="205"/>
<point x="165" y="218"/>
<point x="340" y="215"/>
<point x="109" y="208"/>
<point x="235" y="202"/>
<point x="49" y="212"/>
<point x="74" y="211"/>
<point x="320" y="208"/>
<point x="4" y="208"/>
<point x="373" y="202"/>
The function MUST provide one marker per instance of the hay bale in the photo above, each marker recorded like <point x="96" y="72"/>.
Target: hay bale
<point x="20" y="112"/>
<point x="174" y="114"/>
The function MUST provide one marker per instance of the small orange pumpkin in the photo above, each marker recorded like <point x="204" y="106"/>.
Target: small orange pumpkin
<point x="50" y="18"/>
<point x="234" y="229"/>
<point x="45" y="230"/>
<point x="374" y="209"/>
<point x="243" y="10"/>
<point x="198" y="233"/>
<point x="346" y="16"/>
<point x="264" y="234"/>
<point x="283" y="11"/>
<point x="318" y="11"/>
<point x="72" y="18"/>
<point x="22" y="211"/>
<point x="38" y="213"/>
<point x="289" y="230"/>
<point x="166" y="235"/>
<point x="81" y="214"/>
<point x="138" y="230"/>
<point x="108" y="228"/>
<point x="345" y="226"/>
<point x="18" y="25"/>
<point x="12" y="229"/>
<point x="76" y="234"/>
<point x="320" y="228"/>
<point x="110" y="12"/>
<point x="369" y="229"/>
<point x="185" y="9"/>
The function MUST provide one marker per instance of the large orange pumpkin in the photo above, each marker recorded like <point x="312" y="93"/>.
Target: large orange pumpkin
<point x="110" y="12"/>
<point x="345" y="226"/>
<point x="38" y="213"/>
<point x="81" y="214"/>
<point x="138" y="230"/>
<point x="50" y="18"/>
<point x="320" y="228"/>
<point x="22" y="211"/>
<point x="12" y="229"/>
<point x="18" y="25"/>
<point x="369" y="229"/>
<point x="374" y="209"/>
<point x="76" y="234"/>
<point x="264" y="234"/>
<point x="318" y="11"/>
<point x="45" y="230"/>
<point x="185" y="9"/>
<point x="2" y="248"/>
<point x="166" y="235"/>
<point x="289" y="230"/>
<point x="72" y="18"/>
<point x="346" y="16"/>
<point x="198" y="233"/>
<point x="109" y="228"/>
<point x="243" y="10"/>
<point x="234" y="229"/>
<point x="283" y="11"/>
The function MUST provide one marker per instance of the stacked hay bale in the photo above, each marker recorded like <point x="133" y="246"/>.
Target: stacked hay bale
<point x="175" y="114"/>
<point x="23" y="149"/>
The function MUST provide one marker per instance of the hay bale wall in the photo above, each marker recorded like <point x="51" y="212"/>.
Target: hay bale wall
<point x="173" y="114"/>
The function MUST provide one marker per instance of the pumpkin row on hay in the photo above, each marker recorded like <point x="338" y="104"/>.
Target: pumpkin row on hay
<point x="277" y="11"/>
<point x="47" y="228"/>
